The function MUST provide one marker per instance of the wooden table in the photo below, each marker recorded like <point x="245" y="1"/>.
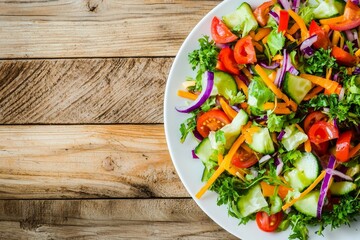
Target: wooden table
<point x="82" y="147"/>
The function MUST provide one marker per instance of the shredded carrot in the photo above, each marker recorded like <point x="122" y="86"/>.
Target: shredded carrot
<point x="301" y="23"/>
<point x="357" y="53"/>
<point x="252" y="34"/>
<point x="354" y="150"/>
<point x="332" y="20"/>
<point x="274" y="138"/>
<point x="186" y="94"/>
<point x="307" y="144"/>
<point x="271" y="105"/>
<point x="304" y="193"/>
<point x="350" y="70"/>
<point x="262" y="32"/>
<point x="258" y="46"/>
<point x="241" y="85"/>
<point x="273" y="88"/>
<point x="264" y="40"/>
<point x="288" y="36"/>
<point x="315" y="91"/>
<point x="277" y="57"/>
<point x="224" y="164"/>
<point x="246" y="148"/>
<point x="330" y="85"/>
<point x="269" y="190"/>
<point x="326" y="28"/>
<point x="249" y="132"/>
<point x="328" y="73"/>
<point x="229" y="111"/>
<point x="342" y="41"/>
<point x="247" y="73"/>
<point x="293" y="29"/>
<point x="283" y="111"/>
<point x="244" y="105"/>
<point x="335" y="38"/>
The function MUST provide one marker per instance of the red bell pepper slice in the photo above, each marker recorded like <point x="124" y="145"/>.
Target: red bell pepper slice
<point x="323" y="40"/>
<point x="283" y="21"/>
<point x="342" y="56"/>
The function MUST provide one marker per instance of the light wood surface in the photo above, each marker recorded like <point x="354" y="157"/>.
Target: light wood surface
<point x="83" y="153"/>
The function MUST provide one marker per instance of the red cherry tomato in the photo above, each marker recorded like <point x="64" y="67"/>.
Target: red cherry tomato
<point x="244" y="51"/>
<point x="342" y="56"/>
<point x="211" y="121"/>
<point x="351" y="16"/>
<point x="268" y="223"/>
<point x="322" y="131"/>
<point x="261" y="13"/>
<point x="226" y="56"/>
<point x="313" y="118"/>
<point x="343" y="146"/>
<point x="220" y="32"/>
<point x="321" y="148"/>
<point x="323" y="40"/>
<point x="243" y="159"/>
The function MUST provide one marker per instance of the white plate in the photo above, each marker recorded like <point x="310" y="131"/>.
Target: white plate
<point x="189" y="169"/>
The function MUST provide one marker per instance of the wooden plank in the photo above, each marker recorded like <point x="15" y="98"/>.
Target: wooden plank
<point x="97" y="28"/>
<point x="86" y="161"/>
<point x="79" y="91"/>
<point x="106" y="219"/>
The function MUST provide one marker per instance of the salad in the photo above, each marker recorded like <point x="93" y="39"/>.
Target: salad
<point x="275" y="107"/>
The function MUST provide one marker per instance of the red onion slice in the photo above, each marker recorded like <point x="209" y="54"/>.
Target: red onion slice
<point x="197" y="135"/>
<point x="264" y="159"/>
<point x="194" y="154"/>
<point x="325" y="186"/>
<point x="280" y="74"/>
<point x="272" y="66"/>
<point x="286" y="4"/>
<point x="281" y="135"/>
<point x="338" y="173"/>
<point x="308" y="42"/>
<point x="275" y="16"/>
<point x="207" y="86"/>
<point x="279" y="165"/>
<point x="296" y="5"/>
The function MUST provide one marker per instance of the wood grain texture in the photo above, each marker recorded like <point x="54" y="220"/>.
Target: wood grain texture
<point x="97" y="28"/>
<point x="113" y="90"/>
<point x="86" y="161"/>
<point x="106" y="219"/>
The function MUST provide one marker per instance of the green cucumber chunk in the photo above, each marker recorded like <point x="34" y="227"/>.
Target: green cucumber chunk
<point x="252" y="201"/>
<point x="262" y="142"/>
<point x="293" y="138"/>
<point x="296" y="87"/>
<point x="241" y="20"/>
<point x="308" y="204"/>
<point x="225" y="84"/>
<point x="327" y="9"/>
<point x="342" y="188"/>
<point x="205" y="152"/>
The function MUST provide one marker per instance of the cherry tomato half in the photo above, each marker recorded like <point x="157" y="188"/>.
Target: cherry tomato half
<point x="322" y="131"/>
<point x="243" y="158"/>
<point x="211" y="121"/>
<point x="343" y="146"/>
<point x="342" y="56"/>
<point x="261" y="13"/>
<point x="244" y="51"/>
<point x="226" y="56"/>
<point x="323" y="40"/>
<point x="268" y="223"/>
<point x="313" y="118"/>
<point x="220" y="32"/>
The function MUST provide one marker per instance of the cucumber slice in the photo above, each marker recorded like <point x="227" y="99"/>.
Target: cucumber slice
<point x="297" y="179"/>
<point x="241" y="20"/>
<point x="309" y="165"/>
<point x="293" y="138"/>
<point x="307" y="169"/>
<point x="327" y="9"/>
<point x="225" y="84"/>
<point x="262" y="142"/>
<point x="231" y="131"/>
<point x="205" y="152"/>
<point x="252" y="201"/>
<point x="308" y="204"/>
<point x="296" y="87"/>
<point x="276" y="204"/>
<point x="342" y="188"/>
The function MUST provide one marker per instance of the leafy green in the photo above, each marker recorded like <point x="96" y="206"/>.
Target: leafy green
<point x="275" y="41"/>
<point x="220" y="137"/>
<point x="208" y="104"/>
<point x="187" y="126"/>
<point x="204" y="58"/>
<point x="236" y="99"/>
<point x="276" y="123"/>
<point x="350" y="45"/>
<point x="259" y="93"/>
<point x="306" y="13"/>
<point x="319" y="61"/>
